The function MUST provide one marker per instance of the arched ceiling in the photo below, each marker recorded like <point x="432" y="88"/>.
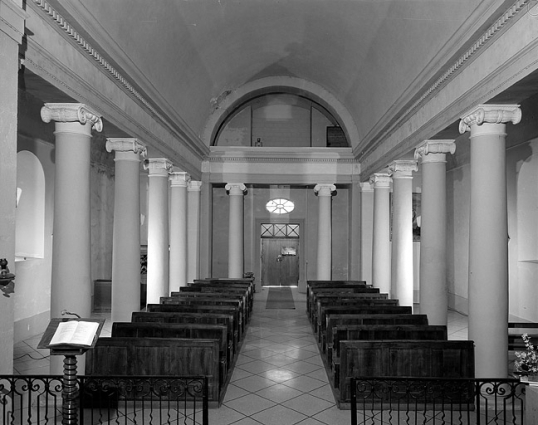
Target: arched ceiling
<point x="368" y="54"/>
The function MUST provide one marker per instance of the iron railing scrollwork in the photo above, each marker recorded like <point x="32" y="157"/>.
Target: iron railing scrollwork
<point x="430" y="400"/>
<point x="105" y="399"/>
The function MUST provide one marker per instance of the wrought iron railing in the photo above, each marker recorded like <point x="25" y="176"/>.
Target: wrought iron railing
<point x="434" y="401"/>
<point x="104" y="399"/>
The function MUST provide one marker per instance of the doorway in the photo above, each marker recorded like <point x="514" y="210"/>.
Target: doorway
<point x="280" y="254"/>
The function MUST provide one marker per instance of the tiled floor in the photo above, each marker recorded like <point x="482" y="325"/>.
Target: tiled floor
<point x="279" y="376"/>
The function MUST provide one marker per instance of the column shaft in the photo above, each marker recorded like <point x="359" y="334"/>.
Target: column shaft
<point x="235" y="239"/>
<point x="324" y="266"/>
<point x="178" y="230"/>
<point x="193" y="235"/>
<point x="158" y="230"/>
<point x="402" y="232"/>
<point x="71" y="286"/>
<point x="433" y="285"/>
<point x="126" y="234"/>
<point x="381" y="269"/>
<point x="488" y="238"/>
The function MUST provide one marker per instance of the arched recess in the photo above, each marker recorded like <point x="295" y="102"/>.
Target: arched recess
<point x="30" y="220"/>
<point x="225" y="104"/>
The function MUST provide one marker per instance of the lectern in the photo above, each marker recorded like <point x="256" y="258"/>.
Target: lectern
<point x="70" y="338"/>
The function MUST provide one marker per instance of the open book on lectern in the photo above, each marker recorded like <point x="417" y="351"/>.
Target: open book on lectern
<point x="74" y="332"/>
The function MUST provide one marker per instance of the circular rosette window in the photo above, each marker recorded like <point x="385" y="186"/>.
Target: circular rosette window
<point x="280" y="206"/>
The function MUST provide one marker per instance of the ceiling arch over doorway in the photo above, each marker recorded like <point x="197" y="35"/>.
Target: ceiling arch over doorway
<point x="229" y="100"/>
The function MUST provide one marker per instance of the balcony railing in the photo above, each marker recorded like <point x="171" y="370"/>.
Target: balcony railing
<point x="433" y="401"/>
<point x="104" y="399"/>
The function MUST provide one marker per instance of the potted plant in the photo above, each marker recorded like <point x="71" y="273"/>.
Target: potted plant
<point x="526" y="363"/>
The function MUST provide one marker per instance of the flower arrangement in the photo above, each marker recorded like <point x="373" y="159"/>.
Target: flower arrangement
<point x="527" y="361"/>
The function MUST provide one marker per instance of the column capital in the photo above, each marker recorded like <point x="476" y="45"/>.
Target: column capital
<point x="402" y="168"/>
<point x="120" y="144"/>
<point x="71" y="112"/>
<point x="325" y="189"/>
<point x="179" y="179"/>
<point x="435" y="150"/>
<point x="158" y="166"/>
<point x="366" y="186"/>
<point x="380" y="180"/>
<point x="194" y="186"/>
<point x="236" y="189"/>
<point x="492" y="114"/>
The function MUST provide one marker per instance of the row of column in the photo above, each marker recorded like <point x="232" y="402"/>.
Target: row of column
<point x="173" y="219"/>
<point x="488" y="233"/>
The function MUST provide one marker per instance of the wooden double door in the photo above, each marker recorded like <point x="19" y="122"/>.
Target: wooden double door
<point x="280" y="261"/>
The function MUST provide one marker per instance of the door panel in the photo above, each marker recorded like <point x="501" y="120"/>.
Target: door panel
<point x="280" y="262"/>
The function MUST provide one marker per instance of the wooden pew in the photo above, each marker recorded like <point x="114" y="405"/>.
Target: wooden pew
<point x="378" y="332"/>
<point x="310" y="284"/>
<point x="348" y="309"/>
<point x="435" y="359"/>
<point x="225" y="289"/>
<point x="211" y="302"/>
<point x="347" y="299"/>
<point x="214" y="295"/>
<point x="345" y="320"/>
<point x="248" y="287"/>
<point x="204" y="318"/>
<point x="342" y="290"/>
<point x="157" y="356"/>
<point x="180" y="330"/>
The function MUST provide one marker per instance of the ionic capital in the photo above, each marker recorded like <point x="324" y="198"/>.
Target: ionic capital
<point x="119" y="144"/>
<point x="435" y="150"/>
<point x="71" y="112"/>
<point x="402" y="168"/>
<point x="492" y="114"/>
<point x="194" y="186"/>
<point x="366" y="187"/>
<point x="179" y="179"/>
<point x="236" y="189"/>
<point x="381" y="180"/>
<point x="325" y="189"/>
<point x="160" y="167"/>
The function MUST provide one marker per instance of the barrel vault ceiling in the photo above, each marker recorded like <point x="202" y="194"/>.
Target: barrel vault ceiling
<point x="373" y="57"/>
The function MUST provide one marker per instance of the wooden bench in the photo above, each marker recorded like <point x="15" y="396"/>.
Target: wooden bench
<point x="311" y="284"/>
<point x="345" y="320"/>
<point x="217" y="296"/>
<point x="209" y="306"/>
<point x="199" y="288"/>
<point x="249" y="289"/>
<point x="343" y="290"/>
<point x="157" y="356"/>
<point x="347" y="300"/>
<point x="435" y="359"/>
<point x="180" y="330"/>
<point x="204" y="318"/>
<point x="348" y="309"/>
<point x="379" y="332"/>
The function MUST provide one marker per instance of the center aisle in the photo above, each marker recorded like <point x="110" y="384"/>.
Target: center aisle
<point x="279" y="377"/>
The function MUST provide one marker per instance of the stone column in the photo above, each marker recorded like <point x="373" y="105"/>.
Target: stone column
<point x="433" y="285"/>
<point x="381" y="239"/>
<point x="324" y="192"/>
<point x="126" y="234"/>
<point x="12" y="18"/>
<point x="178" y="229"/>
<point x="236" y="191"/>
<point x="158" y="229"/>
<point x="193" y="232"/>
<point x="367" y="231"/>
<point x="488" y="237"/>
<point x="402" y="231"/>
<point x="71" y="287"/>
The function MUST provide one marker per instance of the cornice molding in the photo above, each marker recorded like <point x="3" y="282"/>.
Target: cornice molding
<point x="282" y="159"/>
<point x="384" y="130"/>
<point x="72" y="34"/>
